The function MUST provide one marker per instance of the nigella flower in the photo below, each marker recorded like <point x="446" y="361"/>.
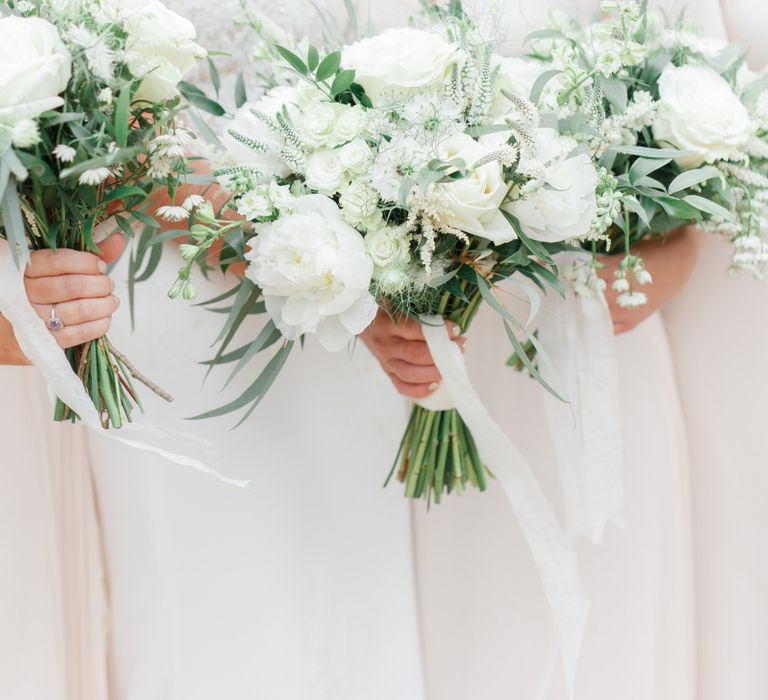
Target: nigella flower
<point x="173" y="213"/>
<point x="94" y="176"/>
<point x="66" y="154"/>
<point x="401" y="159"/>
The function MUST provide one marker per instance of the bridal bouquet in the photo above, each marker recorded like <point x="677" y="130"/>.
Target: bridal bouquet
<point x="88" y="127"/>
<point x="405" y="171"/>
<point x="677" y="127"/>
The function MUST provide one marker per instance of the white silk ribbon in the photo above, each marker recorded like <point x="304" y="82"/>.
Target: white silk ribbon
<point x="552" y="553"/>
<point x="577" y="334"/>
<point x="39" y="346"/>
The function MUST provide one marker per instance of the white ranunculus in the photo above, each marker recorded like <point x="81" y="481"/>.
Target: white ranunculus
<point x="400" y="61"/>
<point x="247" y="124"/>
<point x="699" y="112"/>
<point x="517" y="76"/>
<point x="35" y="68"/>
<point x="473" y="203"/>
<point x="388" y="246"/>
<point x="315" y="273"/>
<point x="160" y="47"/>
<point x="566" y="205"/>
<point x="356" y="156"/>
<point x="324" y="172"/>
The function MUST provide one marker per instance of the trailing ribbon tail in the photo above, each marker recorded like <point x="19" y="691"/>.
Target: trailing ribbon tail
<point x="577" y="334"/>
<point x="552" y="553"/>
<point x="42" y="350"/>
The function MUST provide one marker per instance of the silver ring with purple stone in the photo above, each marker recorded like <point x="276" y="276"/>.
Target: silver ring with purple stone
<point x="54" y="323"/>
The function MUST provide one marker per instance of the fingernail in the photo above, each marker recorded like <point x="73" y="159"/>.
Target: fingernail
<point x="456" y="329"/>
<point x="102" y="267"/>
<point x="434" y="386"/>
<point x="117" y="302"/>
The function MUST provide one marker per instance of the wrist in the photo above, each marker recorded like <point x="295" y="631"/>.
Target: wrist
<point x="10" y="352"/>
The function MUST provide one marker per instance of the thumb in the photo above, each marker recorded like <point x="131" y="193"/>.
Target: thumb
<point x="112" y="247"/>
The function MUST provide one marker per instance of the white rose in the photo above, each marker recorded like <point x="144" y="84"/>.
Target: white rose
<point x="350" y="123"/>
<point x="388" y="246"/>
<point x="400" y="61"/>
<point x="356" y="156"/>
<point x="473" y="203"/>
<point x="516" y="76"/>
<point x="324" y="172"/>
<point x="35" y="68"/>
<point x="317" y="124"/>
<point x="360" y="206"/>
<point x="160" y="47"/>
<point x="699" y="112"/>
<point x="565" y="207"/>
<point x="247" y="124"/>
<point x="315" y="273"/>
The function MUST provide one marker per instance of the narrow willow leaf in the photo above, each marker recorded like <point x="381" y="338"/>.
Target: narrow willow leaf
<point x="123" y="115"/>
<point x="692" y="177"/>
<point x="292" y="59"/>
<point x="220" y="297"/>
<point x="13" y="223"/>
<point x="227" y="358"/>
<point x="155" y="255"/>
<point x="241" y="95"/>
<point x="709" y="207"/>
<point x="268" y="336"/>
<point x="645" y="166"/>
<point x="541" y="82"/>
<point x="256" y="391"/>
<point x="214" y="73"/>
<point x="547" y="34"/>
<point x="108" y="160"/>
<point x="328" y="66"/>
<point x="532" y="369"/>
<point x="644" y="152"/>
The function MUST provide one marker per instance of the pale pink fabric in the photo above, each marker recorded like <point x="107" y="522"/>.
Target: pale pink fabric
<point x="52" y="602"/>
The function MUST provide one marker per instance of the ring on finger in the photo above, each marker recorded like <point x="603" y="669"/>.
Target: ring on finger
<point x="54" y="323"/>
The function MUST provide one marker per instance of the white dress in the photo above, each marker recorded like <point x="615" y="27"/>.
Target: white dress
<point x="300" y="587"/>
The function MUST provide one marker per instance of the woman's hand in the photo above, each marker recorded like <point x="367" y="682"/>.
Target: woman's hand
<point x="75" y="287"/>
<point x="403" y="353"/>
<point x="670" y="261"/>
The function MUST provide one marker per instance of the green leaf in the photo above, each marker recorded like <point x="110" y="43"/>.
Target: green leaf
<point x="205" y="103"/>
<point x="268" y="336"/>
<point x="241" y="96"/>
<point x="755" y="89"/>
<point x="342" y="82"/>
<point x="292" y="59"/>
<point x="677" y="208"/>
<point x="547" y="34"/>
<point x="644" y="152"/>
<point x="645" y="166"/>
<point x="615" y="92"/>
<point x="532" y="369"/>
<point x="693" y="177"/>
<point x="123" y="114"/>
<point x="541" y="82"/>
<point x="105" y="161"/>
<point x="328" y="66"/>
<point x="709" y="207"/>
<point x="220" y="297"/>
<point x="215" y="79"/>
<point x="13" y="223"/>
<point x="124" y="192"/>
<point x="256" y="391"/>
<point x="634" y="206"/>
<point x="145" y="219"/>
<point x="155" y="255"/>
<point x="313" y="58"/>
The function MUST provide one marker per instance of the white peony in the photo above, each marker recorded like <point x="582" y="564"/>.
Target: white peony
<point x="160" y="47"/>
<point x="699" y="112"/>
<point x="473" y="203"/>
<point x="35" y="68"/>
<point x="324" y="172"/>
<point x="315" y="273"/>
<point x="515" y="75"/>
<point x="400" y="61"/>
<point x="566" y="205"/>
<point x="247" y="124"/>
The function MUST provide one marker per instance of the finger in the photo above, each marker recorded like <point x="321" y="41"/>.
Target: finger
<point x="454" y="329"/>
<point x="71" y="336"/>
<point x="412" y="391"/>
<point x="414" y="374"/>
<point x="112" y="247"/>
<point x="51" y="263"/>
<point x="55" y="290"/>
<point x="73" y="313"/>
<point x="407" y="328"/>
<point x="415" y="352"/>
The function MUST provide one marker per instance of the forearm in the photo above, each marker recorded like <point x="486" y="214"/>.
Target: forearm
<point x="10" y="352"/>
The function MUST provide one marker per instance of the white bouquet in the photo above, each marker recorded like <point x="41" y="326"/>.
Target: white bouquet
<point x="403" y="171"/>
<point x="88" y="127"/>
